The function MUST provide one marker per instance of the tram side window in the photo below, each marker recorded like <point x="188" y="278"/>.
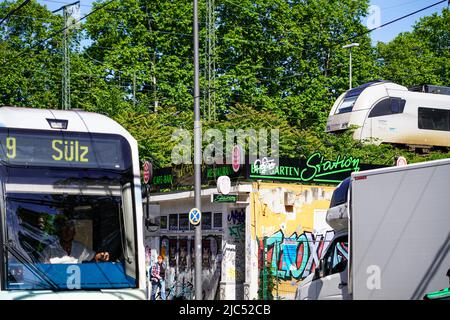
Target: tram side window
<point x="387" y="107"/>
<point x="434" y="119"/>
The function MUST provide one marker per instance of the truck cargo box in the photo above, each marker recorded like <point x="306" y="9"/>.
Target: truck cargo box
<point x="400" y="231"/>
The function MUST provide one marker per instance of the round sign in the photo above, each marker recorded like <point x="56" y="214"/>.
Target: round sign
<point x="147" y="171"/>
<point x="195" y="216"/>
<point x="236" y="158"/>
<point x="401" y="161"/>
<point x="224" y="184"/>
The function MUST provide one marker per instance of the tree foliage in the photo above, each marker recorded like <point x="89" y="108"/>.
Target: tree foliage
<point x="278" y="64"/>
<point x="421" y="56"/>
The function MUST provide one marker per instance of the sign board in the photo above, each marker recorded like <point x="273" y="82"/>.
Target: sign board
<point x="314" y="169"/>
<point x="222" y="198"/>
<point x="147" y="171"/>
<point x="401" y="161"/>
<point x="195" y="216"/>
<point x="67" y="149"/>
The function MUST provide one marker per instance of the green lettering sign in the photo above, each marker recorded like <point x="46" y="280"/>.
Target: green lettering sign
<point x="222" y="198"/>
<point x="314" y="169"/>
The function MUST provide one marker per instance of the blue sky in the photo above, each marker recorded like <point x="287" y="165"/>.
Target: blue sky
<point x="388" y="10"/>
<point x="392" y="9"/>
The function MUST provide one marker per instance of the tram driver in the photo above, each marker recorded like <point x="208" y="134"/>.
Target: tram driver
<point x="67" y="250"/>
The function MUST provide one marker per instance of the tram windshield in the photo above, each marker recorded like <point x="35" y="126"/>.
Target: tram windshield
<point x="67" y="228"/>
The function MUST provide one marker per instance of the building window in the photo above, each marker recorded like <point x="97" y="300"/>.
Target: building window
<point x="206" y="221"/>
<point x="434" y="119"/>
<point x="184" y="221"/>
<point x="173" y="222"/>
<point x="217" y="220"/>
<point x="163" y="223"/>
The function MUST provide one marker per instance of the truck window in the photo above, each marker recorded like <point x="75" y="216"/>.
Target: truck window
<point x="336" y="258"/>
<point x="340" y="194"/>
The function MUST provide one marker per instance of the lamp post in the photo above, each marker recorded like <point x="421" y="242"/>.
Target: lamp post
<point x="350" y="46"/>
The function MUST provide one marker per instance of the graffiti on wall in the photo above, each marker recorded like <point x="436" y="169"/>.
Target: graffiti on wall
<point x="236" y="225"/>
<point x="236" y="239"/>
<point x="295" y="256"/>
<point x="179" y="256"/>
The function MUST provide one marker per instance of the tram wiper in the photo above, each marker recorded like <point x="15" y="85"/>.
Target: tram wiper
<point x="36" y="271"/>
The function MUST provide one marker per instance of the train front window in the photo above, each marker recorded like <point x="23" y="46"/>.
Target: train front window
<point x="72" y="239"/>
<point x="347" y="104"/>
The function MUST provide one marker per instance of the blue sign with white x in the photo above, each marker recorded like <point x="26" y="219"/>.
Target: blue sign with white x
<point x="195" y="216"/>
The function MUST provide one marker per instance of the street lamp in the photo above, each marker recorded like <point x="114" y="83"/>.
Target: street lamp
<point x="350" y="46"/>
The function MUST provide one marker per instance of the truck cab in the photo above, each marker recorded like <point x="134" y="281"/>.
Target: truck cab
<point x="329" y="281"/>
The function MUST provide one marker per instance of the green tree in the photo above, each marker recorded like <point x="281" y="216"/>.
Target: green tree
<point x="29" y="76"/>
<point x="145" y="47"/>
<point x="421" y="56"/>
<point x="287" y="57"/>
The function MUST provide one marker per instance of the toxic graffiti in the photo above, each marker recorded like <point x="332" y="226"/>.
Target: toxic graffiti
<point x="295" y="256"/>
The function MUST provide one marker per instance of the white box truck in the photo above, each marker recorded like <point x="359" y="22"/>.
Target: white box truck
<point x="392" y="235"/>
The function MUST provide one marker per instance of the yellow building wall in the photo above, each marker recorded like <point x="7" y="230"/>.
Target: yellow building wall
<point x="290" y="232"/>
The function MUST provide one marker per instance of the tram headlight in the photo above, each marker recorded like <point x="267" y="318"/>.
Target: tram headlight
<point x="58" y="123"/>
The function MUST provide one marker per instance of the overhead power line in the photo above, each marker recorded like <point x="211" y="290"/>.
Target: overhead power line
<point x="66" y="27"/>
<point x="15" y="10"/>
<point x="395" y="20"/>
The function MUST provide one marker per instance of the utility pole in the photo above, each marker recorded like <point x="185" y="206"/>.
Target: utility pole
<point x="350" y="46"/>
<point x="66" y="65"/>
<point x="210" y="60"/>
<point x="155" y="93"/>
<point x="197" y="161"/>
<point x="134" y="90"/>
<point x="65" y="97"/>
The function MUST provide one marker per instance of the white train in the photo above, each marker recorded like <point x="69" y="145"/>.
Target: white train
<point x="385" y="112"/>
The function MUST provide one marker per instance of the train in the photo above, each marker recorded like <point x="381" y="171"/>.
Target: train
<point x="385" y="112"/>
